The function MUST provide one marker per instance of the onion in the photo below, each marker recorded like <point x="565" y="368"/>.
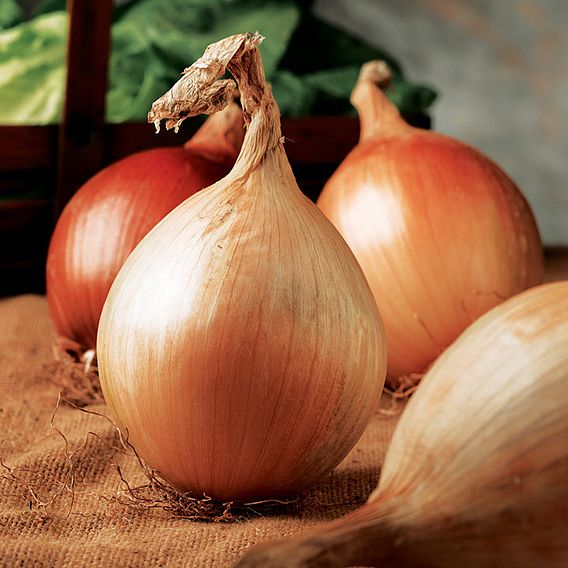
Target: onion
<point x="476" y="474"/>
<point x="240" y="345"/>
<point x="113" y="211"/>
<point x="442" y="234"/>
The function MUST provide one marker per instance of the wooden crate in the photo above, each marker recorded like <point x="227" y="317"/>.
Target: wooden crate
<point x="60" y="158"/>
<point x="29" y="159"/>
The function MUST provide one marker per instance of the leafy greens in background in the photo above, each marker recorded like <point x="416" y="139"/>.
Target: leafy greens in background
<point x="156" y="39"/>
<point x="10" y="13"/>
<point x="32" y="70"/>
<point x="312" y="66"/>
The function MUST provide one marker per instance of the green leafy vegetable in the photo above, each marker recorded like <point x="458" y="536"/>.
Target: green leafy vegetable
<point x="157" y="38"/>
<point x="317" y="45"/>
<point x="312" y="66"/>
<point x="294" y="96"/>
<point x="32" y="72"/>
<point x="328" y="75"/>
<point x="410" y="99"/>
<point x="46" y="6"/>
<point x="10" y="13"/>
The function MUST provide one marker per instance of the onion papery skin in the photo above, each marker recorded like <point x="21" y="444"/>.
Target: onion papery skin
<point x="476" y="474"/>
<point x="108" y="216"/>
<point x="240" y="345"/>
<point x="487" y="433"/>
<point x="441" y="232"/>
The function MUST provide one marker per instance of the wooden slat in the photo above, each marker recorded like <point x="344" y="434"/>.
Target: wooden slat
<point x="319" y="139"/>
<point x="309" y="140"/>
<point x="34" y="147"/>
<point x="31" y="183"/>
<point x="24" y="236"/>
<point x="313" y="140"/>
<point x="124" y="139"/>
<point x="81" y="137"/>
<point x="27" y="147"/>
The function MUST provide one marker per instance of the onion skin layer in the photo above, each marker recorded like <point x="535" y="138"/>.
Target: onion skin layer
<point x="240" y="345"/>
<point x="476" y="474"/>
<point x="111" y="213"/>
<point x="442" y="234"/>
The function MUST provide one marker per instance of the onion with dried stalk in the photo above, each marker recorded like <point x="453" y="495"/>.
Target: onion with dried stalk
<point x="103" y="222"/>
<point x="477" y="471"/>
<point x="111" y="213"/>
<point x="240" y="345"/>
<point x="441" y="232"/>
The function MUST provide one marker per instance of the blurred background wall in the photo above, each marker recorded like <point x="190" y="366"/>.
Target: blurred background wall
<point x="502" y="73"/>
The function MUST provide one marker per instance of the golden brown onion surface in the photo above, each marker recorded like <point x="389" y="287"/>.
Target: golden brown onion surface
<point x="441" y="232"/>
<point x="240" y="344"/>
<point x="476" y="475"/>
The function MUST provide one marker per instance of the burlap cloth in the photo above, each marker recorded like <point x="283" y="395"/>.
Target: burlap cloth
<point x="87" y="527"/>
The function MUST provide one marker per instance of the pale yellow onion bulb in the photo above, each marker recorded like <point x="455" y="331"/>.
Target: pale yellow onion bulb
<point x="441" y="232"/>
<point x="476" y="474"/>
<point x="240" y="345"/>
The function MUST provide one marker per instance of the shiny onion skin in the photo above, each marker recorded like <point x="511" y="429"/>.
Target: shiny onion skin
<point x="111" y="213"/>
<point x="476" y="473"/>
<point x="240" y="345"/>
<point x="441" y="232"/>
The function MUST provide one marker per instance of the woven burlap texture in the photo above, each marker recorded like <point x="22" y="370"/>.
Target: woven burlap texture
<point x="87" y="527"/>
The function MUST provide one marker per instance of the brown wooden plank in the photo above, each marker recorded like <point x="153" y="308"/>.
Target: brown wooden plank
<point x="15" y="214"/>
<point x="319" y="139"/>
<point x="34" y="147"/>
<point x="81" y="137"/>
<point x="124" y="139"/>
<point x="24" y="236"/>
<point x="312" y="140"/>
<point x="309" y="140"/>
<point x="27" y="147"/>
